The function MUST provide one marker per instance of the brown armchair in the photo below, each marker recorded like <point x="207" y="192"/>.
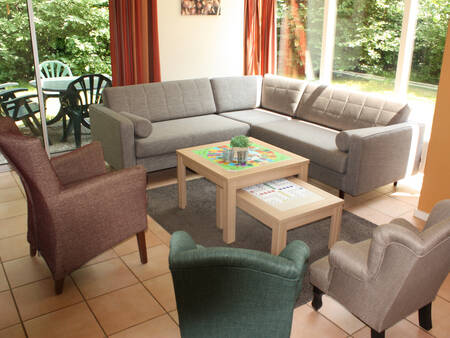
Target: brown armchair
<point x="76" y="210"/>
<point x="397" y="272"/>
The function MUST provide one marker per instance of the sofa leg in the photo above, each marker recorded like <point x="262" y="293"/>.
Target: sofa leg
<point x="59" y="285"/>
<point x="395" y="184"/>
<point x="376" y="334"/>
<point x="142" y="247"/>
<point x="341" y="194"/>
<point x="317" y="299"/>
<point x="425" y="317"/>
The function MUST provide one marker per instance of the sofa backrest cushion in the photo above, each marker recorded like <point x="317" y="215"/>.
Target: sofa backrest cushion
<point x="343" y="109"/>
<point x="161" y="101"/>
<point x="281" y="94"/>
<point x="237" y="92"/>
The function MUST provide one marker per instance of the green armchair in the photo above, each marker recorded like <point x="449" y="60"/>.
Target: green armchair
<point x="231" y="292"/>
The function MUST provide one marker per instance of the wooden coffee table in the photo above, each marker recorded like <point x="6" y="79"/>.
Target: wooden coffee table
<point x="228" y="182"/>
<point x="320" y="204"/>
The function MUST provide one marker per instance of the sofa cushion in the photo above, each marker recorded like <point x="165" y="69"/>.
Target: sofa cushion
<point x="342" y="109"/>
<point x="281" y="94"/>
<point x="255" y="116"/>
<point x="306" y="139"/>
<point x="236" y="92"/>
<point x="161" y="101"/>
<point x="142" y="126"/>
<point x="168" y="136"/>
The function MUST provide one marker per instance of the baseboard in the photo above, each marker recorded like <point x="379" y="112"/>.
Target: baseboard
<point x="421" y="214"/>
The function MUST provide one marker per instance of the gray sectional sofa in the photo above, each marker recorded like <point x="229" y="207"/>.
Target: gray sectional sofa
<point x="356" y="141"/>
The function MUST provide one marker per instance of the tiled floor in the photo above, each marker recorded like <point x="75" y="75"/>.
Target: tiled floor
<point x="114" y="295"/>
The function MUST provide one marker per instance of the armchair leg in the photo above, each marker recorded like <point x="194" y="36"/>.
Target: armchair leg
<point x="395" y="184"/>
<point x="142" y="247"/>
<point x="32" y="251"/>
<point x="317" y="299"/>
<point x="341" y="194"/>
<point x="59" y="285"/>
<point x="376" y="334"/>
<point x="425" y="317"/>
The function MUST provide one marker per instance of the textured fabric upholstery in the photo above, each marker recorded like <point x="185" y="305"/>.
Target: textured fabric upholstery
<point x="161" y="101"/>
<point x="342" y="109"/>
<point x="76" y="212"/>
<point x="385" y="279"/>
<point x="168" y="136"/>
<point x="231" y="292"/>
<point x="281" y="94"/>
<point x="255" y="116"/>
<point x="142" y="126"/>
<point x="306" y="139"/>
<point x="236" y="92"/>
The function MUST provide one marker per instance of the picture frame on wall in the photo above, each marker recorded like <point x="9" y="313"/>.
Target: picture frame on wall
<point x="201" y="7"/>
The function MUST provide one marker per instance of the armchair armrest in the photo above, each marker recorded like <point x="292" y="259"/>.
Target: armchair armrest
<point x="378" y="155"/>
<point x="116" y="133"/>
<point x="349" y="259"/>
<point x="80" y="164"/>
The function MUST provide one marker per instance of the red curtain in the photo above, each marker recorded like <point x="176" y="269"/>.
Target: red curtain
<point x="134" y="42"/>
<point x="260" y="37"/>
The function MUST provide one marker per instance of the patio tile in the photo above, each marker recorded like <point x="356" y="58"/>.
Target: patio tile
<point x="162" y="289"/>
<point x="440" y="317"/>
<point x="444" y="291"/>
<point x="14" y="247"/>
<point x="158" y="230"/>
<point x="26" y="270"/>
<point x="390" y="206"/>
<point x="10" y="194"/>
<point x="7" y="181"/>
<point x="8" y="312"/>
<point x="370" y="214"/>
<point x="13" y="208"/>
<point x="13" y="226"/>
<point x="400" y="330"/>
<point x="158" y="263"/>
<point x="3" y="282"/>
<point x="174" y="315"/>
<point x="15" y="331"/>
<point x="130" y="245"/>
<point x="159" y="327"/>
<point x="107" y="255"/>
<point x="123" y="308"/>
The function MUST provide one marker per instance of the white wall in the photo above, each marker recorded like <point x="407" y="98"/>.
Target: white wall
<point x="200" y="46"/>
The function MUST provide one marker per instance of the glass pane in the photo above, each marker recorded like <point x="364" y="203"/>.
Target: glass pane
<point x="431" y="31"/>
<point x="367" y="44"/>
<point x="73" y="40"/>
<point x="299" y="37"/>
<point x="16" y="69"/>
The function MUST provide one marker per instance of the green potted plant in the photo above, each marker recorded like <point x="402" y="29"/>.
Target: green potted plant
<point x="239" y="145"/>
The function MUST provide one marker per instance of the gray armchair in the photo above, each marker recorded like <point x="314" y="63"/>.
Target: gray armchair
<point x="231" y="292"/>
<point x="383" y="280"/>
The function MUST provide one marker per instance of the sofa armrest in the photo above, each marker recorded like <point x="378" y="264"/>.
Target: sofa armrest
<point x="116" y="133"/>
<point x="378" y="155"/>
<point x="349" y="259"/>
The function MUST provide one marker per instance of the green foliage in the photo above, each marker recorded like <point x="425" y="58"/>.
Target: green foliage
<point x="240" y="141"/>
<point x="75" y="32"/>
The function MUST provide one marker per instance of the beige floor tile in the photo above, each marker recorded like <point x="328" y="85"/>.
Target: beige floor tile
<point x="130" y="245"/>
<point x="13" y="226"/>
<point x="339" y="315"/>
<point x="402" y="329"/>
<point x="174" y="315"/>
<point x="10" y="194"/>
<point x="72" y="322"/>
<point x="158" y="263"/>
<point x="7" y="181"/>
<point x="8" y="312"/>
<point x="159" y="327"/>
<point x="350" y="200"/>
<point x="158" y="230"/>
<point x="98" y="279"/>
<point x="370" y="214"/>
<point x="444" y="291"/>
<point x="308" y="323"/>
<point x="389" y="206"/>
<point x="123" y="308"/>
<point x="15" y="331"/>
<point x="440" y="317"/>
<point x="26" y="270"/>
<point x="407" y="195"/>
<point x="14" y="247"/>
<point x="107" y="255"/>
<point x="39" y="298"/>
<point x="161" y="288"/>
<point x="13" y="208"/>
<point x="3" y="282"/>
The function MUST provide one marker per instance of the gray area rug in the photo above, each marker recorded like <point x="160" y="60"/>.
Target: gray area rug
<point x="199" y="220"/>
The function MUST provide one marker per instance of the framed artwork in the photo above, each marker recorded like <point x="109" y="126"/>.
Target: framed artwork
<point x="200" y="7"/>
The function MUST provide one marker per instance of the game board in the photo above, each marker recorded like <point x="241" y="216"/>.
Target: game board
<point x="257" y="156"/>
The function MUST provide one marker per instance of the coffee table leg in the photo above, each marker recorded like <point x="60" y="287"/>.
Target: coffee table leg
<point x="278" y="239"/>
<point x="229" y="214"/>
<point x="303" y="174"/>
<point x="219" y="207"/>
<point x="181" y="176"/>
<point x="335" y="226"/>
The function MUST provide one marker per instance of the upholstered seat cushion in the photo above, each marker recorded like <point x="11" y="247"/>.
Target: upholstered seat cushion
<point x="255" y="116"/>
<point x="168" y="136"/>
<point x="306" y="139"/>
